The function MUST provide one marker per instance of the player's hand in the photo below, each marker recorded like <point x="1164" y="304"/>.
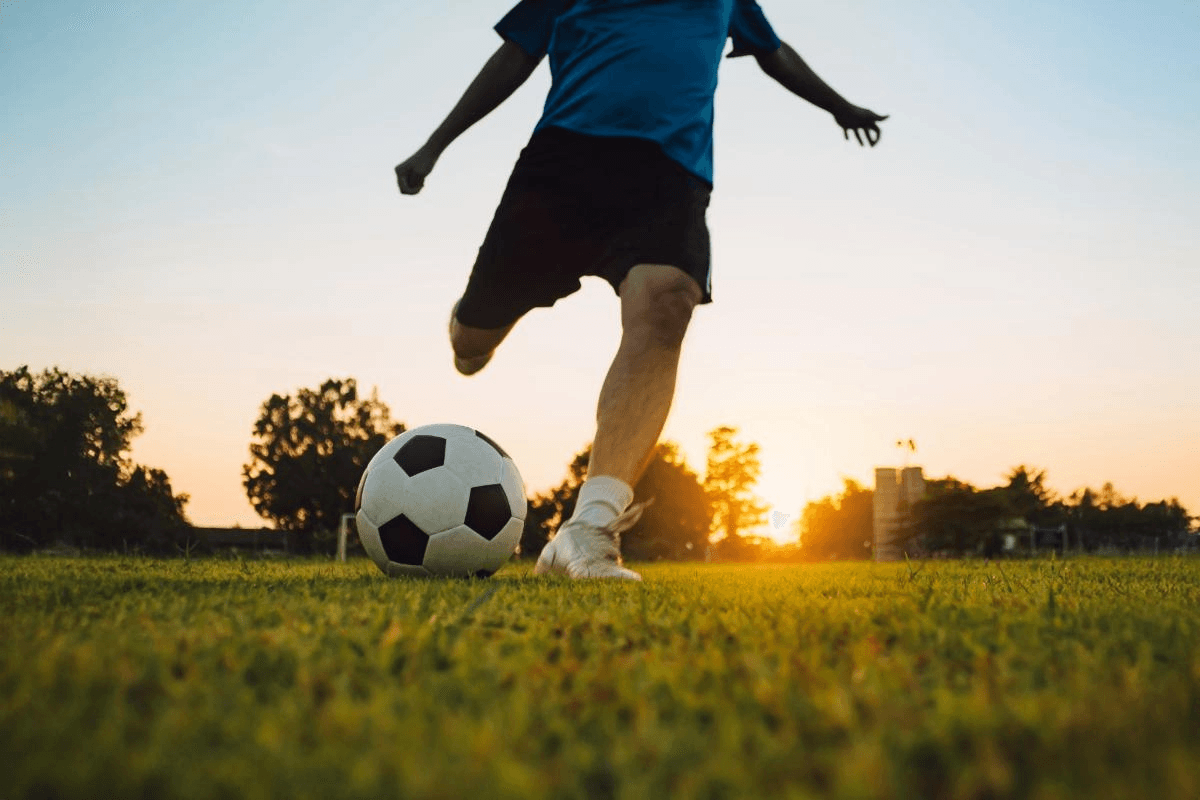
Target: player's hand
<point x="411" y="174"/>
<point x="862" y="121"/>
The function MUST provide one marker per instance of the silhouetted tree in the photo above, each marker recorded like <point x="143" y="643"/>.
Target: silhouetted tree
<point x="674" y="527"/>
<point x="1105" y="518"/>
<point x="547" y="511"/>
<point x="539" y="521"/>
<point x="308" y="452"/>
<point x="954" y="517"/>
<point x="1030" y="499"/>
<point x="838" y="527"/>
<point x="65" y="471"/>
<point x="732" y="472"/>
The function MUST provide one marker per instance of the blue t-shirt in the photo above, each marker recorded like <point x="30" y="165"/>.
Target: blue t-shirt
<point x="644" y="68"/>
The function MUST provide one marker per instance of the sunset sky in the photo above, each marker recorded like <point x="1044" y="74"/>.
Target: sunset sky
<point x="198" y="199"/>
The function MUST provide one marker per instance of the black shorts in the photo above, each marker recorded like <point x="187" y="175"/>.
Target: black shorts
<point x="580" y="205"/>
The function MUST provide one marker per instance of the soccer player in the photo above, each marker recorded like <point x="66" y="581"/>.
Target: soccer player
<point x="614" y="182"/>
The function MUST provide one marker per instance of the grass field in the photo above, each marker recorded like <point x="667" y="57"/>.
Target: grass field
<point x="123" y="677"/>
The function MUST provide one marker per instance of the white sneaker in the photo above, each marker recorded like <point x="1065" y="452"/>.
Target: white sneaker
<point x="583" y="550"/>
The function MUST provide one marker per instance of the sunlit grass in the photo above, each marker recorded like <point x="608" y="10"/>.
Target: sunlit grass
<point x="127" y="677"/>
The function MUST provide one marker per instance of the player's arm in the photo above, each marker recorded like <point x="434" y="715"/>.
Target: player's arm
<point x="787" y="67"/>
<point x="504" y="72"/>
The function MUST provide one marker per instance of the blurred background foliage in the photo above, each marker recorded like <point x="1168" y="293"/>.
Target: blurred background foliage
<point x="66" y="477"/>
<point x="67" y="480"/>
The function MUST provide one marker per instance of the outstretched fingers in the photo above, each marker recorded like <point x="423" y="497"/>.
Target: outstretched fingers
<point x="866" y="124"/>
<point x="846" y="134"/>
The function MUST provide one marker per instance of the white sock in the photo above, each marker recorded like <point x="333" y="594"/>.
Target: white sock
<point x="602" y="499"/>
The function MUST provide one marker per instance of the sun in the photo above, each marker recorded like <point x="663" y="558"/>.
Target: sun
<point x="781" y="525"/>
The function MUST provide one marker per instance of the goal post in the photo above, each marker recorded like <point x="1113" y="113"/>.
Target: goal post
<point x="343" y="535"/>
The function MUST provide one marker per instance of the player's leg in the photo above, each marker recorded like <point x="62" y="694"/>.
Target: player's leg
<point x="652" y="246"/>
<point x="518" y="267"/>
<point x="656" y="307"/>
<point x="474" y="347"/>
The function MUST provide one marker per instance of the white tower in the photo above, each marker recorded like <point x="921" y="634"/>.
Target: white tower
<point x="895" y="492"/>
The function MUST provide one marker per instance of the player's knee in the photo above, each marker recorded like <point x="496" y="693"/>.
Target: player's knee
<point x="461" y="344"/>
<point x="459" y="339"/>
<point x="468" y="342"/>
<point x="659" y="305"/>
<point x="674" y="311"/>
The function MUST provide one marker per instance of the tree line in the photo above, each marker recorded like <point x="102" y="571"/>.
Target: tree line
<point x="66" y="477"/>
<point x="957" y="519"/>
<point x="65" y="472"/>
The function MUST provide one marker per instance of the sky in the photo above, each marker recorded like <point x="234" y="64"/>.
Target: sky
<point x="198" y="200"/>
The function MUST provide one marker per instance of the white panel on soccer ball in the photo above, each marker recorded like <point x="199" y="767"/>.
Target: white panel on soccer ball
<point x="368" y="534"/>
<point x="383" y="492"/>
<point x="435" y="500"/>
<point x="388" y="451"/>
<point x="459" y="551"/>
<point x="501" y="548"/>
<point x="473" y="460"/>
<point x="394" y="570"/>
<point x="514" y="489"/>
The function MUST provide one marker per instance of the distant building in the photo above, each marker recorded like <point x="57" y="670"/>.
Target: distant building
<point x="896" y="490"/>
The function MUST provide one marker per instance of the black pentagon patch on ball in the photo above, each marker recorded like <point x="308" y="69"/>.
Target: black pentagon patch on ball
<point x="488" y="511"/>
<point x="495" y="446"/>
<point x="403" y="541"/>
<point x="358" y="493"/>
<point x="421" y="453"/>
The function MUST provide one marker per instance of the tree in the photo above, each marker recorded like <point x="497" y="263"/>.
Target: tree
<point x="955" y="517"/>
<point x="547" y="511"/>
<point x="1105" y="518"/>
<point x="308" y="453"/>
<point x="1030" y="498"/>
<point x="839" y="527"/>
<point x="675" y="526"/>
<point x="733" y="470"/>
<point x="539" y="521"/>
<point x="65" y="471"/>
<point x="1165" y="518"/>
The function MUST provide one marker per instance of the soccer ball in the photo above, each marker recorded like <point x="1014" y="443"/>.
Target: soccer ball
<point x="440" y="500"/>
